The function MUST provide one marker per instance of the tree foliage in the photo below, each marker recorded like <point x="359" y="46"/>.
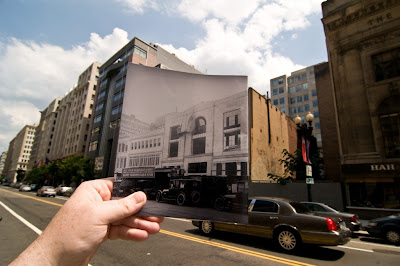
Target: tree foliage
<point x="74" y="169"/>
<point x="295" y="167"/>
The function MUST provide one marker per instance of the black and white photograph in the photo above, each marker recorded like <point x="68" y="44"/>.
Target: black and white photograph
<point x="183" y="141"/>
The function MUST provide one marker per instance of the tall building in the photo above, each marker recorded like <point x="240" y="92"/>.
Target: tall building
<point x="109" y="98"/>
<point x="296" y="95"/>
<point x="3" y="158"/>
<point x="363" y="43"/>
<point x="74" y="113"/>
<point x="44" y="138"/>
<point x="19" y="152"/>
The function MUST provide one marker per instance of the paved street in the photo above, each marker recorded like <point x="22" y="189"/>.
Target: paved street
<point x="180" y="243"/>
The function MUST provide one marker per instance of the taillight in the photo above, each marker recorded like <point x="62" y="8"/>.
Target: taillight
<point x="354" y="219"/>
<point x="44" y="189"/>
<point x="331" y="224"/>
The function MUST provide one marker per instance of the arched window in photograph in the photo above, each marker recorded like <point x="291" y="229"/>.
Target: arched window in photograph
<point x="389" y="116"/>
<point x="199" y="136"/>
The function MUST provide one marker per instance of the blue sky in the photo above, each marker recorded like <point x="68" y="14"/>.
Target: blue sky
<point x="46" y="44"/>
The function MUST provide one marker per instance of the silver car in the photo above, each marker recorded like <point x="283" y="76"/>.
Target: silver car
<point x="351" y="220"/>
<point x="48" y="191"/>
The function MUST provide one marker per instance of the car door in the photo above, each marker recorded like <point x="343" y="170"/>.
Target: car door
<point x="263" y="217"/>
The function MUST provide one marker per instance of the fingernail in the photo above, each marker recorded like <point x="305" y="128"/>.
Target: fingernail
<point x="138" y="196"/>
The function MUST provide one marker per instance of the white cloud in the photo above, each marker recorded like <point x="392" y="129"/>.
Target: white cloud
<point x="33" y="74"/>
<point x="138" y="6"/>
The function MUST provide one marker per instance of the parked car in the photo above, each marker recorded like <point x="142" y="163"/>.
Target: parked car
<point x="351" y="220"/>
<point x="24" y="188"/>
<point x="61" y="189"/>
<point x="48" y="191"/>
<point x="287" y="222"/>
<point x="34" y="187"/>
<point x="386" y="227"/>
<point x="69" y="192"/>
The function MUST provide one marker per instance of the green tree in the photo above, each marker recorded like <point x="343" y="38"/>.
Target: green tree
<point x="20" y="175"/>
<point x="37" y="175"/>
<point x="295" y="167"/>
<point x="75" y="168"/>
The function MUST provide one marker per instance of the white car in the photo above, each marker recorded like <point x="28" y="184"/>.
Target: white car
<point x="61" y="189"/>
<point x="47" y="191"/>
<point x="25" y="188"/>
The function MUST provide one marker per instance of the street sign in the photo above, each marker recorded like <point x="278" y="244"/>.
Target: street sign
<point x="309" y="180"/>
<point x="308" y="170"/>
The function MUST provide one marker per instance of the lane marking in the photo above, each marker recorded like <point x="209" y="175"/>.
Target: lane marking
<point x="26" y="196"/>
<point x="236" y="249"/>
<point x="374" y="244"/>
<point x="359" y="249"/>
<point x="31" y="226"/>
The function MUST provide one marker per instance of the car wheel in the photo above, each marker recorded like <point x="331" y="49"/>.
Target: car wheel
<point x="219" y="204"/>
<point x="207" y="227"/>
<point x="287" y="239"/>
<point x="195" y="196"/>
<point x="159" y="196"/>
<point x="393" y="236"/>
<point x="181" y="199"/>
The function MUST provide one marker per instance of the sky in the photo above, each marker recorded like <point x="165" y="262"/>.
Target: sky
<point x="46" y="44"/>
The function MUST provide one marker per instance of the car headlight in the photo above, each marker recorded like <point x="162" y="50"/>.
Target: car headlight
<point x="372" y="224"/>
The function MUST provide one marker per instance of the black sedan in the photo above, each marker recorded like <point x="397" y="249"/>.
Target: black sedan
<point x="288" y="222"/>
<point x="322" y="209"/>
<point x="386" y="227"/>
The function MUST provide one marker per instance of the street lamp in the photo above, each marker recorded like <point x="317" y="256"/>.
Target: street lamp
<point x="305" y="137"/>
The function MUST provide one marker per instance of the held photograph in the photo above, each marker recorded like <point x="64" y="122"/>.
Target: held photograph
<point x="183" y="141"/>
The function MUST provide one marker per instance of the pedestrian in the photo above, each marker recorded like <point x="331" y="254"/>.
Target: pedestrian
<point x="85" y="221"/>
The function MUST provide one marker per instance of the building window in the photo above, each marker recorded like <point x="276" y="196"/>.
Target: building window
<point x="97" y="118"/>
<point x="118" y="95"/>
<point x="116" y="109"/>
<point x="281" y="90"/>
<point x="100" y="106"/>
<point x="231" y="169"/>
<point x="199" y="145"/>
<point x="139" y="51"/>
<point x="200" y="126"/>
<point x="174" y="132"/>
<point x="306" y="107"/>
<point x="304" y="76"/>
<point x="232" y="140"/>
<point x="282" y="101"/>
<point x="280" y="81"/>
<point x="274" y="91"/>
<point x="305" y="97"/>
<point x="315" y="103"/>
<point x="283" y="110"/>
<point x="389" y="116"/>
<point x="317" y="125"/>
<point x="197" y="167"/>
<point x="231" y="119"/>
<point x="274" y="82"/>
<point x="300" y="109"/>
<point x="219" y="168"/>
<point x="276" y="102"/>
<point x="316" y="114"/>
<point x="293" y="100"/>
<point x="174" y="141"/>
<point x="387" y="64"/>
<point x="101" y="94"/>
<point x="314" y="93"/>
<point x="293" y="110"/>
<point x="305" y="86"/>
<point x="103" y="83"/>
<point x="118" y="83"/>
<point x="298" y="88"/>
<point x="299" y="99"/>
<point x="243" y="169"/>
<point x="292" y="89"/>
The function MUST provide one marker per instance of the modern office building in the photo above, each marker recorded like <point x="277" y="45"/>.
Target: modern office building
<point x="19" y="152"/>
<point x="74" y="114"/>
<point x="44" y="138"/>
<point x="363" y="43"/>
<point x="109" y="98"/>
<point x="296" y="95"/>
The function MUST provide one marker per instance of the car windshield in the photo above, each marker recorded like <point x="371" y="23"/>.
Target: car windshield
<point x="299" y="207"/>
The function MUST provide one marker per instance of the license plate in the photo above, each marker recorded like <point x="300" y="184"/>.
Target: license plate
<point x="342" y="225"/>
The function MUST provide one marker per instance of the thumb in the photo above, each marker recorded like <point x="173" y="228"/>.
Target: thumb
<point x="113" y="210"/>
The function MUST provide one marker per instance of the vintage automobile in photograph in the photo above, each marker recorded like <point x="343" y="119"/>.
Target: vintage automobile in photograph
<point x="387" y="227"/>
<point x="287" y="222"/>
<point x="48" y="191"/>
<point x="322" y="209"/>
<point x="181" y="191"/>
<point x="147" y="186"/>
<point x="24" y="188"/>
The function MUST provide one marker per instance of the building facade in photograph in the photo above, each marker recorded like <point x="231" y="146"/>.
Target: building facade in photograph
<point x="102" y="147"/>
<point x="209" y="138"/>
<point x="296" y="95"/>
<point x="44" y="137"/>
<point x="74" y="114"/>
<point x="19" y="152"/>
<point x="363" y="42"/>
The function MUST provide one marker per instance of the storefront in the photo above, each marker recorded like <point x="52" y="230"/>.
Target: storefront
<point x="372" y="185"/>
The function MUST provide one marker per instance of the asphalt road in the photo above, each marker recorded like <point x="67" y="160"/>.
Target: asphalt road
<point x="180" y="243"/>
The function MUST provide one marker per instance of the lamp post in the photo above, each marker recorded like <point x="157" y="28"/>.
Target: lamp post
<point x="305" y="137"/>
